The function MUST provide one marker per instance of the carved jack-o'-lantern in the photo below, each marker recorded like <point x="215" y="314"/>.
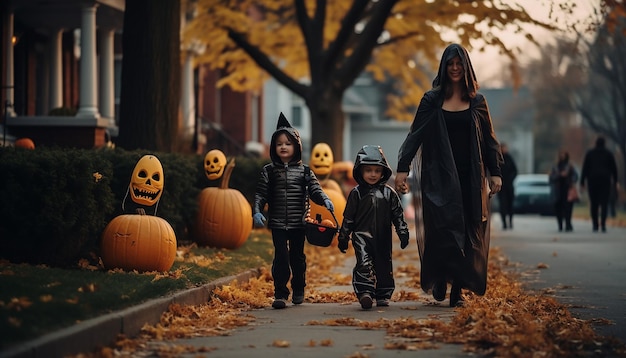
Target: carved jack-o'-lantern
<point x="214" y="164"/>
<point x="321" y="159"/>
<point x="147" y="181"/>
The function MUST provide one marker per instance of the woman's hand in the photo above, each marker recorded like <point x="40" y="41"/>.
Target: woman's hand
<point x="401" y="184"/>
<point x="495" y="184"/>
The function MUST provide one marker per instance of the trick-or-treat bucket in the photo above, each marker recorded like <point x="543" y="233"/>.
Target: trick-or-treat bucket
<point x="320" y="235"/>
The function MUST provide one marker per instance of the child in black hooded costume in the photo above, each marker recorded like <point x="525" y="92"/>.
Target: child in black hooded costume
<point x="371" y="208"/>
<point x="282" y="185"/>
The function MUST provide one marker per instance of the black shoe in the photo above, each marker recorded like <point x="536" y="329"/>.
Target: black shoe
<point x="456" y="300"/>
<point x="603" y="229"/>
<point x="279" y="303"/>
<point x="297" y="299"/>
<point x="439" y="290"/>
<point x="382" y="302"/>
<point x="366" y="301"/>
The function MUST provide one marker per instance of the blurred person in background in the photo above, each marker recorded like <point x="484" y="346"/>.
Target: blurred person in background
<point x="507" y="194"/>
<point x="563" y="177"/>
<point x="599" y="176"/>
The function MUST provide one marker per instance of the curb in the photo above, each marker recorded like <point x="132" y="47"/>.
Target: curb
<point x="102" y="331"/>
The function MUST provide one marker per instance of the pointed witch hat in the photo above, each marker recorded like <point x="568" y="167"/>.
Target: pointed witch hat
<point x="282" y="122"/>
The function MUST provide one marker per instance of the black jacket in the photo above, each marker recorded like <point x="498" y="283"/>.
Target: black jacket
<point x="599" y="165"/>
<point x="372" y="209"/>
<point x="282" y="185"/>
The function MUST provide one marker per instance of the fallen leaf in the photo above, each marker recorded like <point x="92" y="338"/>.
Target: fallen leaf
<point x="280" y="344"/>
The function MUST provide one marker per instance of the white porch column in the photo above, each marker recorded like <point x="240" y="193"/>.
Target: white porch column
<point x="88" y="76"/>
<point x="56" y="69"/>
<point x="107" y="91"/>
<point x="9" y="82"/>
<point x="187" y="101"/>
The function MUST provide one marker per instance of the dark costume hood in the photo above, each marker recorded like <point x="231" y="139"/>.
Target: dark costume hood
<point x="284" y="126"/>
<point x="449" y="53"/>
<point x="370" y="155"/>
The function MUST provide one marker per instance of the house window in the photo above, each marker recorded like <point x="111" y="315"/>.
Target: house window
<point x="296" y="116"/>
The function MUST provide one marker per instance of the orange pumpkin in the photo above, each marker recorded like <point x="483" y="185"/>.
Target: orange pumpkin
<point x="328" y="223"/>
<point x="224" y="217"/>
<point x="25" y="143"/>
<point x="138" y="242"/>
<point x="339" y="202"/>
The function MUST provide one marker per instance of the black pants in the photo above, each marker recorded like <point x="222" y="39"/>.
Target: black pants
<point x="289" y="259"/>
<point x="505" y="199"/>
<point x="373" y="272"/>
<point x="599" y="191"/>
<point x="563" y="212"/>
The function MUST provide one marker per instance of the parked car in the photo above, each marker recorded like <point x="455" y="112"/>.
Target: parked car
<point x="533" y="194"/>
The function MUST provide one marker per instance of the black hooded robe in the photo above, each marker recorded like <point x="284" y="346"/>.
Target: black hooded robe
<point x="452" y="246"/>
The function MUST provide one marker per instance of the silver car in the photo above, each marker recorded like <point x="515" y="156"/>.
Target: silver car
<point x="533" y="194"/>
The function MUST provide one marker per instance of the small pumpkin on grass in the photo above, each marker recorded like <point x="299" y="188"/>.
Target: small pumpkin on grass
<point x="224" y="217"/>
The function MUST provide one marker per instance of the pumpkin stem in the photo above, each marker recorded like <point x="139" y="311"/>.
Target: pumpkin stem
<point x="140" y="211"/>
<point x="227" y="172"/>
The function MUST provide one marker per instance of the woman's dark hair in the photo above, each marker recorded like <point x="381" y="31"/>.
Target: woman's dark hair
<point x="442" y="81"/>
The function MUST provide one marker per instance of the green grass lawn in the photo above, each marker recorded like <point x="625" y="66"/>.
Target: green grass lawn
<point x="35" y="300"/>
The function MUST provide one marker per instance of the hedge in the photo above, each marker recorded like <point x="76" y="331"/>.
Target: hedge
<point x="55" y="202"/>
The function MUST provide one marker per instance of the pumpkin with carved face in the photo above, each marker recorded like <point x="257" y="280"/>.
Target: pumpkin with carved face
<point x="147" y="181"/>
<point x="321" y="162"/>
<point x="214" y="164"/>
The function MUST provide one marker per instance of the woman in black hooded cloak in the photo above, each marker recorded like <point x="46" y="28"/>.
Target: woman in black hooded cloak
<point x="457" y="170"/>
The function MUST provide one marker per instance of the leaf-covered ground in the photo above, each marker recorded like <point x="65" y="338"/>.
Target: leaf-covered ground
<point x="506" y="322"/>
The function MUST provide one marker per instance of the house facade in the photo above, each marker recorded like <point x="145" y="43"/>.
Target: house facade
<point x="61" y="64"/>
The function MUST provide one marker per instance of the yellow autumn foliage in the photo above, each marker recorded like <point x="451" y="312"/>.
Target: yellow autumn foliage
<point x="299" y="46"/>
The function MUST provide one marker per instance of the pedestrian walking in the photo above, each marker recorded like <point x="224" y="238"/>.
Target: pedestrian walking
<point x="599" y="175"/>
<point x="563" y="178"/>
<point x="283" y="187"/>
<point x="507" y="194"/>
<point x="371" y="209"/>
<point x="457" y="170"/>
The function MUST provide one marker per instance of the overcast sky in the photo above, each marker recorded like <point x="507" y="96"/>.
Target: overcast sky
<point x="490" y="66"/>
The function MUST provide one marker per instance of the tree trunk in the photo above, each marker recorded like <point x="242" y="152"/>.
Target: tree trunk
<point x="327" y="121"/>
<point x="151" y="70"/>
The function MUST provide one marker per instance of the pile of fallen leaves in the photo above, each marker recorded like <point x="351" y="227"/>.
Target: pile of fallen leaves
<point x="505" y="322"/>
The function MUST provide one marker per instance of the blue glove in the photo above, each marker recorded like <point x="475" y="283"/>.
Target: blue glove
<point x="259" y="220"/>
<point x="404" y="239"/>
<point x="342" y="244"/>
<point x="329" y="205"/>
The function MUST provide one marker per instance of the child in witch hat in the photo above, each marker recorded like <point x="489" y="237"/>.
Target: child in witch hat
<point x="283" y="186"/>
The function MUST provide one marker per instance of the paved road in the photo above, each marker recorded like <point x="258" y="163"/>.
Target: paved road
<point x="587" y="269"/>
<point x="584" y="269"/>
